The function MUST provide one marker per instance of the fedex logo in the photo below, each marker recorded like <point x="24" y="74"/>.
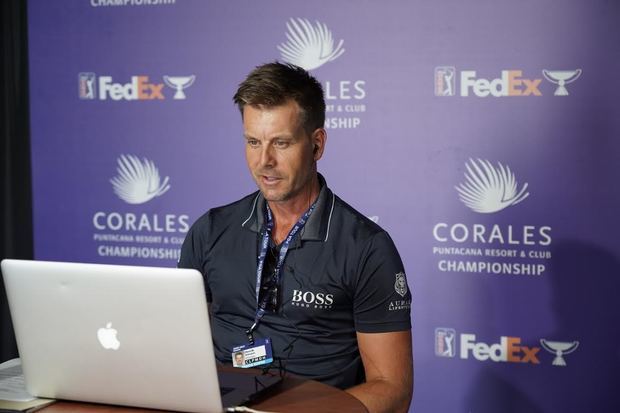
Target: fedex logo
<point x="509" y="349"/>
<point x="511" y="83"/>
<point x="138" y="89"/>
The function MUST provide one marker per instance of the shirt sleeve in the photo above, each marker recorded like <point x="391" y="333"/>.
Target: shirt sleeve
<point x="382" y="301"/>
<point x="193" y="250"/>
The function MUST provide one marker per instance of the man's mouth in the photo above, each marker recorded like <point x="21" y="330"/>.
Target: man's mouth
<point x="270" y="179"/>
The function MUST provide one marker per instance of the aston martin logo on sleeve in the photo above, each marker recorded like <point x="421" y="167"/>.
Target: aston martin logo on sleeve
<point x="401" y="284"/>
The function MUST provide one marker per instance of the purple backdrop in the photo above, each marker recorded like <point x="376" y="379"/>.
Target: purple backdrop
<point x="482" y="136"/>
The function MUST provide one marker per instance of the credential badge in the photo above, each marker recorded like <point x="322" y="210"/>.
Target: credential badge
<point x="401" y="284"/>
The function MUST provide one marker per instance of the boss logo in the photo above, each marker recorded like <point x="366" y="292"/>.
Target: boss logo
<point x="312" y="299"/>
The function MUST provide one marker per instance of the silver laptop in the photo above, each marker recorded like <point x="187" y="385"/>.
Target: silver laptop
<point x="136" y="336"/>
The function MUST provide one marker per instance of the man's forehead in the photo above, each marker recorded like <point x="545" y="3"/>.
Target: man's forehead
<point x="273" y="119"/>
<point x="289" y="103"/>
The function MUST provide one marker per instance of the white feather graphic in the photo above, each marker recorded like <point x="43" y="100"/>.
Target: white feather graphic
<point x="137" y="181"/>
<point x="309" y="46"/>
<point x="489" y="189"/>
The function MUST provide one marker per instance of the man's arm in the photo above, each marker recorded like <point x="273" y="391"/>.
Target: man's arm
<point x="388" y="364"/>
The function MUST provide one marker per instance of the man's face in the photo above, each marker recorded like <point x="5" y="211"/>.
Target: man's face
<point x="239" y="359"/>
<point x="280" y="154"/>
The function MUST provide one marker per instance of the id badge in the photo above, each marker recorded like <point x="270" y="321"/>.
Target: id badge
<point x="250" y="355"/>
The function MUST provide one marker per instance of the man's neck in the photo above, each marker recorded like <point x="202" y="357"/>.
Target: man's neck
<point x="287" y="213"/>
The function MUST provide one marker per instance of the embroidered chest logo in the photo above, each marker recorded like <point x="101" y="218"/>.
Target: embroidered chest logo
<point x="309" y="299"/>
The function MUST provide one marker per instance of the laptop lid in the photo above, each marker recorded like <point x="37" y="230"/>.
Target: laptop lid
<point x="128" y="335"/>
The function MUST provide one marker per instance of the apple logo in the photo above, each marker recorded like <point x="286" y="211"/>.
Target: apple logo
<point x="107" y="337"/>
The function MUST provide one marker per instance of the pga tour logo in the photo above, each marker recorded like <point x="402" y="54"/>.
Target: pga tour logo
<point x="509" y="82"/>
<point x="445" y="345"/>
<point x="138" y="181"/>
<point x="138" y="88"/>
<point x="309" y="45"/>
<point x="489" y="188"/>
<point x="445" y="84"/>
<point x="87" y="87"/>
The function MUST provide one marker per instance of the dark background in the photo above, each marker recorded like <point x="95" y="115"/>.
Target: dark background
<point x="15" y="184"/>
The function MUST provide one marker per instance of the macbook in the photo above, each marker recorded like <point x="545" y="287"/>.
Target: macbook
<point x="128" y="335"/>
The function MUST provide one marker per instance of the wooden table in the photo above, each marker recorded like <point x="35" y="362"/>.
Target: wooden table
<point x="292" y="395"/>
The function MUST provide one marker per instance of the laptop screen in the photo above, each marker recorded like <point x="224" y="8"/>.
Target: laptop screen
<point x="128" y="335"/>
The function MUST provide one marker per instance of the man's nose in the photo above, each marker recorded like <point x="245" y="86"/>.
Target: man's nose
<point x="267" y="158"/>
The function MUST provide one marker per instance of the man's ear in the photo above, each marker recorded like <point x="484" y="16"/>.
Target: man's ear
<point x="319" y="138"/>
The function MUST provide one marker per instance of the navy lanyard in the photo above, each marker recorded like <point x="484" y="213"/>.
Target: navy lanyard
<point x="261" y="304"/>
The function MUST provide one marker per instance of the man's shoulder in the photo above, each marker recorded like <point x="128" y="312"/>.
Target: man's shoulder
<point x="352" y="220"/>
<point x="223" y="215"/>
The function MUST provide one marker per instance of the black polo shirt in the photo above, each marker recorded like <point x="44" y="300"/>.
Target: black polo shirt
<point x="342" y="275"/>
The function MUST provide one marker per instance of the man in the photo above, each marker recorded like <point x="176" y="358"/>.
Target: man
<point x="294" y="265"/>
<point x="239" y="359"/>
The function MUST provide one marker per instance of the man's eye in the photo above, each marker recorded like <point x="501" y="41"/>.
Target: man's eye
<point x="281" y="144"/>
<point x="253" y="142"/>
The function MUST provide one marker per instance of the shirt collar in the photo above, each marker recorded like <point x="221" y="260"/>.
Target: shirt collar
<point x="317" y="227"/>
